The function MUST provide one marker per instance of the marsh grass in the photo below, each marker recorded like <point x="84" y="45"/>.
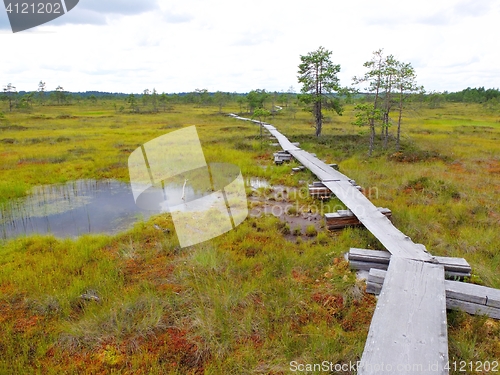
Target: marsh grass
<point x="249" y="301"/>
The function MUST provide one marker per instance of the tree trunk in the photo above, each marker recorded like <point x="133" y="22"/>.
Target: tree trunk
<point x="399" y="120"/>
<point x="386" y="135"/>
<point x="318" y="118"/>
<point x="372" y="136"/>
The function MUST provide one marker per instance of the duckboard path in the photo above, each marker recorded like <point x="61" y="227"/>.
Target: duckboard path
<point x="408" y="332"/>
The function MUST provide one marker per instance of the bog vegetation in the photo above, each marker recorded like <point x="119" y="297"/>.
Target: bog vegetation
<point x="260" y="296"/>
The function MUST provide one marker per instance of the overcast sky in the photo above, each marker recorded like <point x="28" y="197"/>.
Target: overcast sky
<point x="236" y="46"/>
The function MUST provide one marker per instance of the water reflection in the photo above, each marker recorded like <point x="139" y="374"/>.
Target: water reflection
<point x="89" y="206"/>
<point x="72" y="209"/>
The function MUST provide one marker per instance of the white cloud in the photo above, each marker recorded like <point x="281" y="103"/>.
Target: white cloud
<point x="117" y="45"/>
<point x="126" y="7"/>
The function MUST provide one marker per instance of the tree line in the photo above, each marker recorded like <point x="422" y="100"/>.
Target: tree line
<point x="379" y="97"/>
<point x="247" y="102"/>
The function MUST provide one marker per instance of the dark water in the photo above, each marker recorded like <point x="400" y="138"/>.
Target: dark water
<point x="73" y="209"/>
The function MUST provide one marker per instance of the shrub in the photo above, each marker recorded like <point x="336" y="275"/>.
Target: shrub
<point x="311" y="231"/>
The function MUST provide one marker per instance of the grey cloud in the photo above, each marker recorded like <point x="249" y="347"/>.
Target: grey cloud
<point x="465" y="63"/>
<point x="124" y="7"/>
<point x="472" y="8"/>
<point x="57" y="67"/>
<point x="435" y="16"/>
<point x="81" y="17"/>
<point x="464" y="9"/>
<point x="175" y="17"/>
<point x="148" y="41"/>
<point x="112" y="72"/>
<point x="254" y="38"/>
<point x="95" y="12"/>
<point x="435" y="19"/>
<point x="385" y="20"/>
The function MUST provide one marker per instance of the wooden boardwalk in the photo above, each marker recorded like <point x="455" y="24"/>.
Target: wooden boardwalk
<point x="392" y="238"/>
<point x="408" y="333"/>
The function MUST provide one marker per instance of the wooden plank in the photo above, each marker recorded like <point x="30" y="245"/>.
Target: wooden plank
<point x="473" y="293"/>
<point x="322" y="170"/>
<point x="378" y="224"/>
<point x="452" y="266"/>
<point x="319" y="191"/>
<point x="410" y="334"/>
<point x="373" y="288"/>
<point x="377" y="276"/>
<point x="283" y="141"/>
<point x="471" y="298"/>
<point x="348" y="213"/>
<point x="367" y="255"/>
<point x="315" y="189"/>
<point x="472" y="308"/>
<point x="345" y="218"/>
<point x="367" y="266"/>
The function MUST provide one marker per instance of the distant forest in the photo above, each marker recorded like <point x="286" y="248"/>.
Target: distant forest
<point x="468" y="95"/>
<point x="153" y="101"/>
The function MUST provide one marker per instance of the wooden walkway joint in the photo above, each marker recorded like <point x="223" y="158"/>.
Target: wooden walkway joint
<point x="471" y="298"/>
<point x="363" y="259"/>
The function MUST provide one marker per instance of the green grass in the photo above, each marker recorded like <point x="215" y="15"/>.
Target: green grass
<point x="255" y="298"/>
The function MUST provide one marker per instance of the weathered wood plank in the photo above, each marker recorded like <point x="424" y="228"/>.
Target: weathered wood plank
<point x="367" y="266"/>
<point x="380" y="226"/>
<point x="471" y="298"/>
<point x="452" y="266"/>
<point x="282" y="140"/>
<point x="472" y="308"/>
<point x="373" y="288"/>
<point x="455" y="264"/>
<point x="316" y="189"/>
<point x="318" y="184"/>
<point x="368" y="255"/>
<point x="412" y="334"/>
<point x="348" y="213"/>
<point x="345" y="218"/>
<point x="473" y="293"/>
<point x="322" y="170"/>
<point x="377" y="276"/>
